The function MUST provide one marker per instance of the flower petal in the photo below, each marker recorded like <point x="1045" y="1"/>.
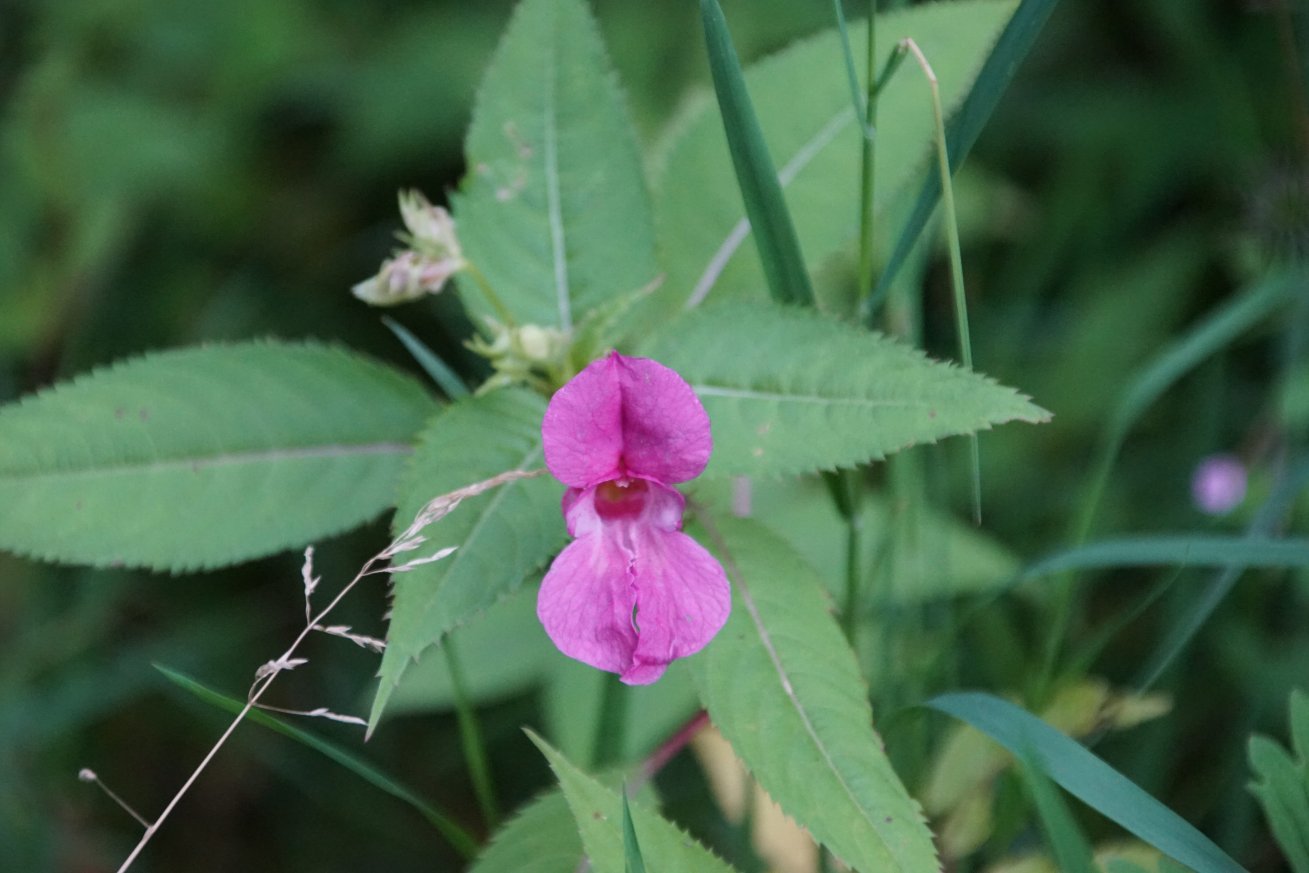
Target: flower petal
<point x="665" y="428"/>
<point x="586" y="602"/>
<point x="682" y="601"/>
<point x="583" y="426"/>
<point x="625" y="416"/>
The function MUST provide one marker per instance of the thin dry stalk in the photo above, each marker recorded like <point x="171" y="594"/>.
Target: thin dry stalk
<point x="407" y="541"/>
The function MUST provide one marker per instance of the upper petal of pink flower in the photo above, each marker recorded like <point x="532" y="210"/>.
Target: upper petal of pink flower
<point x="623" y="417"/>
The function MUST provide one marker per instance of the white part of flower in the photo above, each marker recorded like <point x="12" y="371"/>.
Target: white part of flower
<point x="406" y="277"/>
<point x="431" y="229"/>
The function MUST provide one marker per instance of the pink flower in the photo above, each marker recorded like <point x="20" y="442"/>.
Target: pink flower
<point x="631" y="592"/>
<point x="1218" y="484"/>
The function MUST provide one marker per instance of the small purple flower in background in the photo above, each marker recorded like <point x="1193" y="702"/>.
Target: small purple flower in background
<point x="631" y="592"/>
<point x="1218" y="484"/>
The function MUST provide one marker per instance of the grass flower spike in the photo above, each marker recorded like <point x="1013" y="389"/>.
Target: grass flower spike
<point x="631" y="592"/>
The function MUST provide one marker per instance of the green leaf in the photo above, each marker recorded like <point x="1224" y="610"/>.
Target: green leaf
<point x="540" y="839"/>
<point x="633" y="861"/>
<point x="455" y="833"/>
<point x="554" y="211"/>
<point x="944" y="557"/>
<point x="756" y="176"/>
<point x="504" y="651"/>
<point x="598" y="812"/>
<point x="502" y="536"/>
<point x="1068" y="844"/>
<point x="1282" y="785"/>
<point x="1188" y="550"/>
<point x="803" y="100"/>
<point x="430" y="361"/>
<point x="782" y="685"/>
<point x="825" y="395"/>
<point x="1087" y="778"/>
<point x="992" y="80"/>
<point x="206" y="456"/>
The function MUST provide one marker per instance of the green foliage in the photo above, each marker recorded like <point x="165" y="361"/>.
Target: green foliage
<point x="202" y="457"/>
<point x="1067" y="843"/>
<point x="1087" y="778"/>
<point x="825" y="394"/>
<point x="1183" y="550"/>
<point x="943" y="557"/>
<point x="540" y="839"/>
<point x="756" y="176"/>
<point x="449" y="828"/>
<point x="598" y="812"/>
<point x="1282" y="784"/>
<point x="554" y="211"/>
<point x="992" y="81"/>
<point x="700" y="218"/>
<point x="502" y="535"/>
<point x="782" y="685"/>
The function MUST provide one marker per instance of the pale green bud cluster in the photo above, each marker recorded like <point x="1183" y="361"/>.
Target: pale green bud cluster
<point x="433" y="256"/>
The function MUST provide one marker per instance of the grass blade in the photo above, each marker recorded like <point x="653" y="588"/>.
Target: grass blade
<point x="447" y="379"/>
<point x="1087" y="778"/>
<point x="460" y="839"/>
<point x="770" y="222"/>
<point x="1175" y="549"/>
<point x="1009" y="51"/>
<point x="1072" y="852"/>
<point x="632" y="859"/>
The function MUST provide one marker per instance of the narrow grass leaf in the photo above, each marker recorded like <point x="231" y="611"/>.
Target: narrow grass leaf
<point x="1013" y="45"/>
<point x="598" y="812"/>
<point x="206" y="456"/>
<point x="770" y="222"/>
<point x="1072" y="852"/>
<point x="439" y="371"/>
<point x="1087" y="778"/>
<point x="827" y="394"/>
<point x="459" y="838"/>
<point x="633" y="862"/>
<point x="1191" y="550"/>
<point x="782" y="685"/>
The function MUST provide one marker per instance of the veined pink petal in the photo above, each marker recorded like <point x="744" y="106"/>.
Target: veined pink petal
<point x="682" y="601"/>
<point x="624" y="417"/>
<point x="632" y="593"/>
<point x="586" y="603"/>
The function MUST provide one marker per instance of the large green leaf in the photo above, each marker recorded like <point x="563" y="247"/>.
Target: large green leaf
<point x="820" y="394"/>
<point x="205" y="456"/>
<point x="501" y="536"/>
<point x="803" y="100"/>
<point x="598" y="812"/>
<point x="782" y="685"/>
<point x="540" y="839"/>
<point x="1282" y="784"/>
<point x="554" y="211"/>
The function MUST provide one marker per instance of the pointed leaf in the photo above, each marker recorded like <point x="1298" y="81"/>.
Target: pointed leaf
<point x="803" y="101"/>
<point x="756" y="177"/>
<point x="598" y="812"/>
<point x="1087" y="778"/>
<point x="554" y="210"/>
<point x="825" y="395"/>
<point x="540" y="839"/>
<point x="501" y="536"/>
<point x="1282" y="785"/>
<point x="206" y="456"/>
<point x="783" y="686"/>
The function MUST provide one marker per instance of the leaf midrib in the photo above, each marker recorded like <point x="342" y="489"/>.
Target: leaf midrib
<point x="554" y="205"/>
<point x="223" y="459"/>
<point x="789" y="691"/>
<point x="732" y="393"/>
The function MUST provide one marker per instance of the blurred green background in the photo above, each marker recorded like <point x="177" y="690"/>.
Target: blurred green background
<point x="174" y="171"/>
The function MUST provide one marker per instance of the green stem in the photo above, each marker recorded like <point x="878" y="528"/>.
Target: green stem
<point x="867" y="215"/>
<point x="470" y="734"/>
<point x="506" y="317"/>
<point x="611" y="724"/>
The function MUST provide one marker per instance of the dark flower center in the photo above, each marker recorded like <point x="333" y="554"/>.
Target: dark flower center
<point x="621" y="498"/>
